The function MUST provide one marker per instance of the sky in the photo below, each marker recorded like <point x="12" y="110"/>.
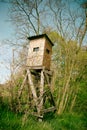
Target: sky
<point x="6" y="31"/>
<point x="5" y="26"/>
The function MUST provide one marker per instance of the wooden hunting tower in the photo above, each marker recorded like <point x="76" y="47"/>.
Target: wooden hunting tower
<point x="39" y="76"/>
<point x="40" y="50"/>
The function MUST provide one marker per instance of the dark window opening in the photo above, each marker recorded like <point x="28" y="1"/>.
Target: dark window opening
<point x="47" y="51"/>
<point x="36" y="49"/>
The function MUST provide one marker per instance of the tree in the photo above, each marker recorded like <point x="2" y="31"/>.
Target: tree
<point x="68" y="56"/>
<point x="69" y="28"/>
<point x="68" y="64"/>
<point x="27" y="15"/>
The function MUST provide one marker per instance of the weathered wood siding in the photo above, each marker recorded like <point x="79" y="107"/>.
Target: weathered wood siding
<point x="42" y="57"/>
<point x="36" y="58"/>
<point x="47" y="56"/>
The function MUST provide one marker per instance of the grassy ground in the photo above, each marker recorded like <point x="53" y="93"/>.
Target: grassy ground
<point x="68" y="121"/>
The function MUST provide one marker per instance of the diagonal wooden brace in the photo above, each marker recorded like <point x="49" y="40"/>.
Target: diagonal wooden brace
<point x="22" y="87"/>
<point x="32" y="88"/>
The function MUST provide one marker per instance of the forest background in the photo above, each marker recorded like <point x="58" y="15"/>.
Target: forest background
<point x="65" y="22"/>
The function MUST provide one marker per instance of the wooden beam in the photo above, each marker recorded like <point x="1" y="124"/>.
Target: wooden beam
<point x="32" y="88"/>
<point x="22" y="87"/>
<point x="40" y="106"/>
<point x="49" y="109"/>
<point x="49" y="72"/>
<point x="35" y="114"/>
<point x="34" y="67"/>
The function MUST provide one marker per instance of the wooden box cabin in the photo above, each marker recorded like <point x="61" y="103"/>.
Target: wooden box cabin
<point x="39" y="53"/>
<point x="38" y="76"/>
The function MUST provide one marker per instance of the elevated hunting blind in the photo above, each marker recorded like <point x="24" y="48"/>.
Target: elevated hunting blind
<point x="39" y="76"/>
<point x="40" y="50"/>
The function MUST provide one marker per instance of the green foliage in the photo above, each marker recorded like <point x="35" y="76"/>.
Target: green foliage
<point x="81" y="102"/>
<point x="66" y="121"/>
<point x="9" y="120"/>
<point x="70" y="78"/>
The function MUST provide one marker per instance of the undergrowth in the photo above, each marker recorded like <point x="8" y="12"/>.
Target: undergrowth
<point x="67" y="121"/>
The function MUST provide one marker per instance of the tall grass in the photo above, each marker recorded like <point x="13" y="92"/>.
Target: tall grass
<point x="67" y="121"/>
<point x="76" y="120"/>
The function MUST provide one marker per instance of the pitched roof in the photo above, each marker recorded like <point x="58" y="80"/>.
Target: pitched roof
<point x="41" y="36"/>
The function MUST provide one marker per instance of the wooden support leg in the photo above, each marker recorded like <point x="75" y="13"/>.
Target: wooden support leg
<point x="47" y="77"/>
<point x="32" y="88"/>
<point x="41" y="93"/>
